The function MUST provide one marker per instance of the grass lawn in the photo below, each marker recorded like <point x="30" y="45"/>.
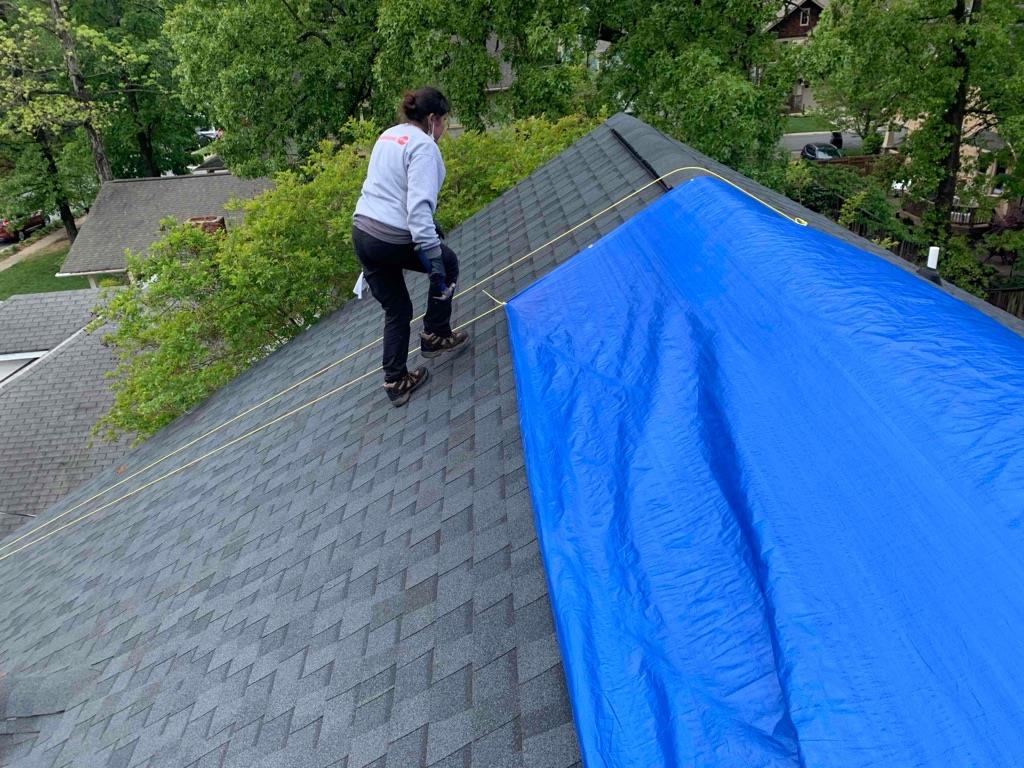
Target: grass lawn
<point x="36" y="275"/>
<point x="806" y="124"/>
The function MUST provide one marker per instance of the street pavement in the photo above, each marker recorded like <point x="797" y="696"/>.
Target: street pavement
<point x="794" y="142"/>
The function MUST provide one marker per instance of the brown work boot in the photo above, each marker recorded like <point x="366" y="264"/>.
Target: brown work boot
<point x="401" y="390"/>
<point x="432" y="345"/>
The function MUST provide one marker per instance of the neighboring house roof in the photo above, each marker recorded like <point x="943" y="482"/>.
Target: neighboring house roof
<point x="988" y="140"/>
<point x="210" y="164"/>
<point x="352" y="585"/>
<point x="792" y="6"/>
<point x="127" y="214"/>
<point x="48" y="408"/>
<point x="40" y="321"/>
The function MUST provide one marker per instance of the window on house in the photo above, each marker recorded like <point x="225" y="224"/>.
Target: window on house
<point x="805" y="17"/>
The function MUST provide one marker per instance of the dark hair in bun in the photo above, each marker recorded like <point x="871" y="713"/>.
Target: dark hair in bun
<point x="416" y="105"/>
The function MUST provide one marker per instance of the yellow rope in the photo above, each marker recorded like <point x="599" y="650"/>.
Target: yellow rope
<point x="219" y="448"/>
<point x="339" y="361"/>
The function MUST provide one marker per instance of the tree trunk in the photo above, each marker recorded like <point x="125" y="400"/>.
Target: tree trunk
<point x="953" y="119"/>
<point x="80" y="92"/>
<point x="66" y="216"/>
<point x="142" y="137"/>
<point x="146" y="149"/>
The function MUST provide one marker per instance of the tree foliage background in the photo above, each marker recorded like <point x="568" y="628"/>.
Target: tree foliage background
<point x="280" y="75"/>
<point x="87" y="82"/>
<point x="952" y="69"/>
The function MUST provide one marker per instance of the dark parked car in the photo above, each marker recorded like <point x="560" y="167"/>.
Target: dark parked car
<point x="9" y="234"/>
<point x="820" y="153"/>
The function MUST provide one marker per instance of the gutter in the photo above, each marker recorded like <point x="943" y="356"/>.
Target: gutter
<point x="95" y="272"/>
<point x="91" y="276"/>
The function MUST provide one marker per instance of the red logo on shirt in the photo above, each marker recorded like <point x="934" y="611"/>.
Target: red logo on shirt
<point x="400" y="140"/>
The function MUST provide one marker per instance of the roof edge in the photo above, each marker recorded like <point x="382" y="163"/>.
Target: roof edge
<point x="665" y="154"/>
<point x="120" y="271"/>
<point x="34" y="365"/>
<point x="186" y="176"/>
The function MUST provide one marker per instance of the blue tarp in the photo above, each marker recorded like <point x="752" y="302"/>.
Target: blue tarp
<point x="779" y="489"/>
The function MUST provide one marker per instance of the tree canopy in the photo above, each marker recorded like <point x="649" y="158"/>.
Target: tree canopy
<point x="85" y="79"/>
<point x="951" y="69"/>
<point x="281" y="76"/>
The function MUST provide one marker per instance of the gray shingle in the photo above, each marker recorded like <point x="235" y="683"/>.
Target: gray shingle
<point x="48" y="410"/>
<point x="127" y="213"/>
<point x="33" y="322"/>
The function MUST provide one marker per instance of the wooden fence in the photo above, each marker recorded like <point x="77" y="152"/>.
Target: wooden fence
<point x="862" y="164"/>
<point x="1009" y="300"/>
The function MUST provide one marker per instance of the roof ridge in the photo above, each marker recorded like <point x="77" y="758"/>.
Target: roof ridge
<point x="184" y="176"/>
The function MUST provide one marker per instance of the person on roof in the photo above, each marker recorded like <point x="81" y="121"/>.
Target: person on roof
<point x="394" y="230"/>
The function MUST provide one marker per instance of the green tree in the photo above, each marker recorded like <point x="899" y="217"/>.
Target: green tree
<point x="85" y="73"/>
<point x="278" y="76"/>
<point x="40" y="74"/>
<point x="129" y="66"/>
<point x="854" y="49"/>
<point x="708" y="73"/>
<point x="430" y="41"/>
<point x="535" y="50"/>
<point x="38" y="116"/>
<point x="953" y="67"/>
<point x="550" y="46"/>
<point x="48" y="178"/>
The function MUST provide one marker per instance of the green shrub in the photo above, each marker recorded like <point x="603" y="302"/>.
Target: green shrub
<point x="872" y="143"/>
<point x="839" y="192"/>
<point x="1009" y="242"/>
<point x="482" y="165"/>
<point x="959" y="265"/>
<point x="820" y="186"/>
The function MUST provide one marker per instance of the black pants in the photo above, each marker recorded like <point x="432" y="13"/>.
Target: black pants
<point x="383" y="266"/>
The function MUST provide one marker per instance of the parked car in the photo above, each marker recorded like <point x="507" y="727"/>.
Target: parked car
<point x="8" y="234"/>
<point x="820" y="153"/>
<point x="206" y="135"/>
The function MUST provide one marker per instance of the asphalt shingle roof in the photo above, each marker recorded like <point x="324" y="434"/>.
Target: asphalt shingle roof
<point x="352" y="585"/>
<point x="127" y="214"/>
<point x="46" y="414"/>
<point x="34" y="322"/>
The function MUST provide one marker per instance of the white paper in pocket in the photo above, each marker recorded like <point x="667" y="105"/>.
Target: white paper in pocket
<point x="360" y="286"/>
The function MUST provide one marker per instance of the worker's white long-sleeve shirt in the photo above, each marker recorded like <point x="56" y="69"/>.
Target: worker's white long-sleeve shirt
<point x="405" y="174"/>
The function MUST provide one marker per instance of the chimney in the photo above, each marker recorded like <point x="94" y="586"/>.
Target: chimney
<point x="208" y="224"/>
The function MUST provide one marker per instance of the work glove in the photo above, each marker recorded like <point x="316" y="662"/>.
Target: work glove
<point x="439" y="290"/>
<point x="433" y="262"/>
